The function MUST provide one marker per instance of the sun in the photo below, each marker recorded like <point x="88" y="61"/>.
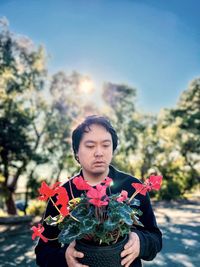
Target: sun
<point x="86" y="86"/>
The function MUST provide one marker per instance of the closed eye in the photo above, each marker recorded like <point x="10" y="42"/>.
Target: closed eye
<point x="106" y="145"/>
<point x="89" y="146"/>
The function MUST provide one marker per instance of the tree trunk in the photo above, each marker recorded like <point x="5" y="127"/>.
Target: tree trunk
<point x="58" y="174"/>
<point x="10" y="204"/>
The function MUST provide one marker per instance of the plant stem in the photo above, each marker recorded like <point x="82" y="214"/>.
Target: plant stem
<point x="137" y="191"/>
<point x="96" y="212"/>
<point x="73" y="217"/>
<point x="71" y="191"/>
<point x="118" y="234"/>
<point x="52" y="239"/>
<point x="55" y="205"/>
<point x="133" y="195"/>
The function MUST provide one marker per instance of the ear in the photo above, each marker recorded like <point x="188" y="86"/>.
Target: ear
<point x="76" y="157"/>
<point x="114" y="152"/>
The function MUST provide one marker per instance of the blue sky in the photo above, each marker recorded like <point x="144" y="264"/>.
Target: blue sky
<point x="151" y="45"/>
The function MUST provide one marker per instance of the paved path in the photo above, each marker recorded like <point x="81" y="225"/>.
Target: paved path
<point x="180" y="225"/>
<point x="179" y="222"/>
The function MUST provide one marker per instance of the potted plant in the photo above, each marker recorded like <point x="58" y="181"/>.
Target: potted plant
<point x="98" y="221"/>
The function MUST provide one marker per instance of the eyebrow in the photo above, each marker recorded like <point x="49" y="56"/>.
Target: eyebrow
<point x="93" y="142"/>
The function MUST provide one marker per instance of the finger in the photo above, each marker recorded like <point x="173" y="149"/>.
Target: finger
<point x="77" y="254"/>
<point x="127" y="259"/>
<point x="128" y="264"/>
<point x="127" y="252"/>
<point x="129" y="244"/>
<point x="80" y="265"/>
<point x="72" y="244"/>
<point x="75" y="263"/>
<point x="72" y="262"/>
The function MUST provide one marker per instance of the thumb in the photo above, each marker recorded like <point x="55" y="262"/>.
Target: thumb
<point x="72" y="244"/>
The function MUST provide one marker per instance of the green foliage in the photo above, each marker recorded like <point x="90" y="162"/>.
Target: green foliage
<point x="102" y="224"/>
<point x="34" y="132"/>
<point x="121" y="99"/>
<point x="180" y="136"/>
<point x="168" y="143"/>
<point x="22" y="73"/>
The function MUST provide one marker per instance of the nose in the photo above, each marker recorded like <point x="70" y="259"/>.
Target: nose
<point x="98" y="152"/>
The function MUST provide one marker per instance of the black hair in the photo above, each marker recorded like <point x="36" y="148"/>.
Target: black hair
<point x="84" y="127"/>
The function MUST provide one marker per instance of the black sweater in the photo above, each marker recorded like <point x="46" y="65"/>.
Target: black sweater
<point x="51" y="254"/>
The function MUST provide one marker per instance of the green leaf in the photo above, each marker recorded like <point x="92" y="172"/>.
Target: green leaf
<point x="135" y="202"/>
<point x="88" y="225"/>
<point x="110" y="225"/>
<point x="69" y="234"/>
<point x="52" y="220"/>
<point x="136" y="220"/>
<point x="125" y="213"/>
<point x="81" y="211"/>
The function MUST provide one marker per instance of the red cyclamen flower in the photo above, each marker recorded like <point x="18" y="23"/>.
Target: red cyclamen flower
<point x="47" y="191"/>
<point x="140" y="188"/>
<point x="62" y="199"/>
<point x="96" y="195"/>
<point x="98" y="202"/>
<point x="154" y="182"/>
<point x="37" y="231"/>
<point x="107" y="181"/>
<point x="80" y="183"/>
<point x="123" y="196"/>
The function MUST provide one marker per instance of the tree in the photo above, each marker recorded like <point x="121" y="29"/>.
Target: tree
<point x="144" y="160"/>
<point x="169" y="160"/>
<point x="68" y="106"/>
<point x="121" y="100"/>
<point x="188" y="113"/>
<point x="178" y="130"/>
<point x="22" y="72"/>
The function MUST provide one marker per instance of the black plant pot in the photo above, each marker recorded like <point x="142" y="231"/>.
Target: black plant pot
<point x="101" y="256"/>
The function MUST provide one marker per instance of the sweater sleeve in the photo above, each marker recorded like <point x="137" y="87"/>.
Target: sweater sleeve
<point x="50" y="254"/>
<point x="150" y="236"/>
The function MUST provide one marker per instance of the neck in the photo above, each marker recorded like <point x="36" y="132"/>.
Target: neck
<point x="95" y="178"/>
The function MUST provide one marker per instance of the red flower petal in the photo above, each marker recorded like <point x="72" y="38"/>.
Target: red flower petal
<point x="97" y="202"/>
<point x="96" y="195"/>
<point x="80" y="183"/>
<point x="64" y="210"/>
<point x="37" y="231"/>
<point x="123" y="196"/>
<point x="140" y="188"/>
<point x="62" y="199"/>
<point x="47" y="191"/>
<point x="108" y="181"/>
<point x="155" y="181"/>
<point x="97" y="192"/>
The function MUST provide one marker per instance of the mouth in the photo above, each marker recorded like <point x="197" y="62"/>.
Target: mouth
<point x="99" y="163"/>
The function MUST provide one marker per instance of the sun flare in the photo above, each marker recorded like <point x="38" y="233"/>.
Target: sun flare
<point x="86" y="86"/>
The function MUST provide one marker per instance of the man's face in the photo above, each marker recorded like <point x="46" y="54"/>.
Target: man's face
<point x="95" y="150"/>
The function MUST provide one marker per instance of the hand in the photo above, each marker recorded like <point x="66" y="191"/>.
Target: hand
<point x="71" y="254"/>
<point x="131" y="250"/>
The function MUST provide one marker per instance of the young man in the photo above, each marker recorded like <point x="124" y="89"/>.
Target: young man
<point x="94" y="142"/>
